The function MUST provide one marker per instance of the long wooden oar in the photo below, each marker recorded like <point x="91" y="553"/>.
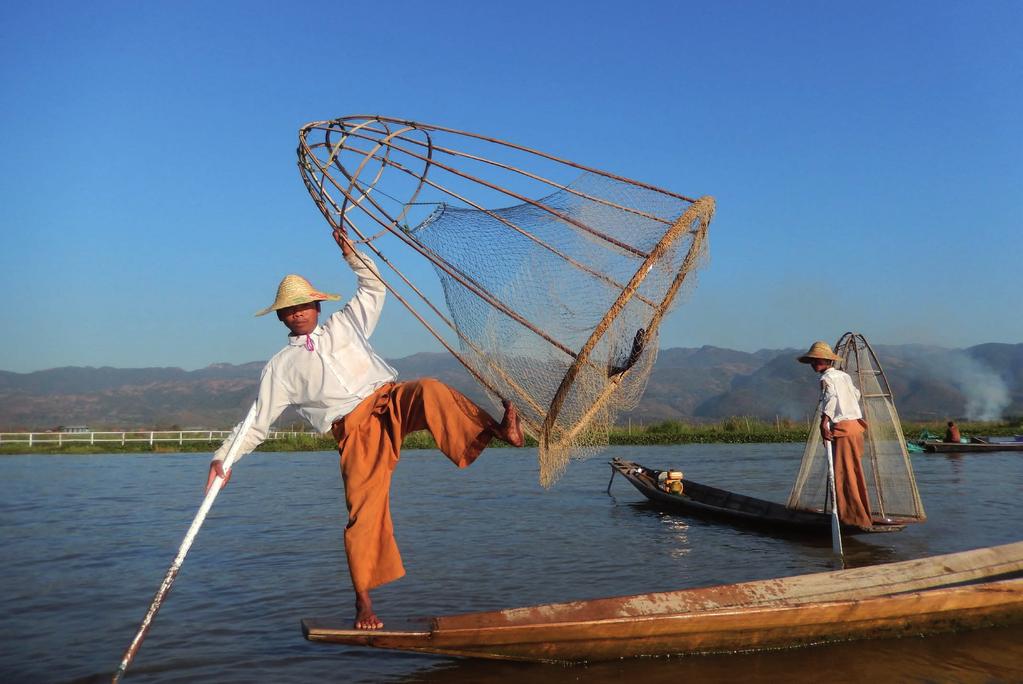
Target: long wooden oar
<point x="836" y="527"/>
<point x="186" y="544"/>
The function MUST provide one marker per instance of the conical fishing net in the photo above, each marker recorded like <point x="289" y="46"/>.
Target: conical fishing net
<point x="546" y="279"/>
<point x="891" y="484"/>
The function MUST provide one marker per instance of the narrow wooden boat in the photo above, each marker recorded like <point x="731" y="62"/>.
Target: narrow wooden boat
<point x="971" y="589"/>
<point x="721" y="504"/>
<point x="975" y="445"/>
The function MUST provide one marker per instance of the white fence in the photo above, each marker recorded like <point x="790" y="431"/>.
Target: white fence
<point x="147" y="436"/>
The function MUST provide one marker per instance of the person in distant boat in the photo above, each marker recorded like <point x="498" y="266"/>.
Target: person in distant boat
<point x="335" y="380"/>
<point x="842" y="424"/>
<point x="952" y="433"/>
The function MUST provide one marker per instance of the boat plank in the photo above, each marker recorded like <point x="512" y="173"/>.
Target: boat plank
<point x="853" y="583"/>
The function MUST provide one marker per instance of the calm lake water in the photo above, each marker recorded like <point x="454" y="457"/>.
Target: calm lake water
<point x="86" y="541"/>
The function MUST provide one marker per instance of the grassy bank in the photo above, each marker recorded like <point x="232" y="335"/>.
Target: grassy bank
<point x="745" y="430"/>
<point x="736" y="430"/>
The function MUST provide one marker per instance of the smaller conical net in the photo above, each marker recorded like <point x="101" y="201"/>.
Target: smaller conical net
<point x="548" y="280"/>
<point x="891" y="484"/>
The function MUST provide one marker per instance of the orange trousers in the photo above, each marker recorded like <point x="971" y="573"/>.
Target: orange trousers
<point x="369" y="442"/>
<point x="850" y="485"/>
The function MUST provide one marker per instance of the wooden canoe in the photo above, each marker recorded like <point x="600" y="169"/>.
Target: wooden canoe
<point x="973" y="446"/>
<point x="966" y="590"/>
<point x="721" y="504"/>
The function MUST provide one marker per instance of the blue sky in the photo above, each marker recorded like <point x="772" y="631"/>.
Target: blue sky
<point x="866" y="159"/>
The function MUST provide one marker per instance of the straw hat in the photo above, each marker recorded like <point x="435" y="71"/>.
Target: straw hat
<point x="819" y="350"/>
<point x="294" y="290"/>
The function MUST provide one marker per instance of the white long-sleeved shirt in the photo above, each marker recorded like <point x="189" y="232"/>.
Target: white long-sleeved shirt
<point x="840" y="400"/>
<point x="329" y="381"/>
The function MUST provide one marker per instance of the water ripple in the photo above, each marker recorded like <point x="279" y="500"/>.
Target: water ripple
<point x="87" y="540"/>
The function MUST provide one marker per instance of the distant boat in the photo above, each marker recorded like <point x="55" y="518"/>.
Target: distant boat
<point x="975" y="444"/>
<point x="971" y="589"/>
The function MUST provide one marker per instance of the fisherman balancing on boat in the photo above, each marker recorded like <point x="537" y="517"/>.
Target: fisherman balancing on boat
<point x="335" y="380"/>
<point x="842" y="424"/>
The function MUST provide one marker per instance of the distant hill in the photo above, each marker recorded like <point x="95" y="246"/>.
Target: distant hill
<point x="984" y="382"/>
<point x="697" y="384"/>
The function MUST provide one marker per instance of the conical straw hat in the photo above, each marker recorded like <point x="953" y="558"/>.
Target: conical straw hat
<point x="819" y="350"/>
<point x="294" y="290"/>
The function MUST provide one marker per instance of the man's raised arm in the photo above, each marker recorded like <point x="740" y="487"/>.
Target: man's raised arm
<point x="364" y="308"/>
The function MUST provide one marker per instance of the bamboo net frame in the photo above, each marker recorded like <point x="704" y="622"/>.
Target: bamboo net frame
<point x="623" y="248"/>
<point x="891" y="484"/>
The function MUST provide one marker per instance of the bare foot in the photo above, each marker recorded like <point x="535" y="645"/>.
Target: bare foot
<point x="509" y="430"/>
<point x="365" y="618"/>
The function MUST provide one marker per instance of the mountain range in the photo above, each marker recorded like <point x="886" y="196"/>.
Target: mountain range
<point x="983" y="382"/>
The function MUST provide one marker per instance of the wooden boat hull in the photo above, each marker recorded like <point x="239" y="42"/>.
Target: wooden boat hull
<point x="935" y="446"/>
<point x="957" y="591"/>
<point x="711" y="502"/>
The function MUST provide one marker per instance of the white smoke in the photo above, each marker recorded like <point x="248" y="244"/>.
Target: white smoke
<point x="986" y="393"/>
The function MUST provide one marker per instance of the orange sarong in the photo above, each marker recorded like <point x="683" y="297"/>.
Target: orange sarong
<point x="850" y="485"/>
<point x="369" y="443"/>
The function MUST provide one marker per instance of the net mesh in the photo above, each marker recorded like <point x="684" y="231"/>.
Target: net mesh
<point x="891" y="484"/>
<point x="552" y="299"/>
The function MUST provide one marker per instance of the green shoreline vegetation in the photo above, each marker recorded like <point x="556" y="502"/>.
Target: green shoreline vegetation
<point x="735" y="430"/>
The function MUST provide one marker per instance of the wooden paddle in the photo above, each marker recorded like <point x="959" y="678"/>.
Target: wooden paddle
<point x="836" y="527"/>
<point x="186" y="544"/>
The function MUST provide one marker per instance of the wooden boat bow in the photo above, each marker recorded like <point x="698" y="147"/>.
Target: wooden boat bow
<point x="962" y="590"/>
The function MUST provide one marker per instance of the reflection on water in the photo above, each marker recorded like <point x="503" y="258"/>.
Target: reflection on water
<point x="676" y="537"/>
<point x="858" y="550"/>
<point x="994" y="655"/>
<point x="87" y="540"/>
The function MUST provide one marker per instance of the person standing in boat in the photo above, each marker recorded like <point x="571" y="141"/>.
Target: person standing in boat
<point x="335" y="380"/>
<point x="842" y="424"/>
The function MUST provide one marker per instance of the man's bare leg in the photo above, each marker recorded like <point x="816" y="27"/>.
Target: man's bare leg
<point x="510" y="430"/>
<point x="365" y="618"/>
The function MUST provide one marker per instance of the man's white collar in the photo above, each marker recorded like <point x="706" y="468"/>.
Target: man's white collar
<point x="299" y="340"/>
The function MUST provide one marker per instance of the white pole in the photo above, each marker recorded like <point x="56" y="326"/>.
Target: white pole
<point x="836" y="527"/>
<point x="186" y="544"/>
